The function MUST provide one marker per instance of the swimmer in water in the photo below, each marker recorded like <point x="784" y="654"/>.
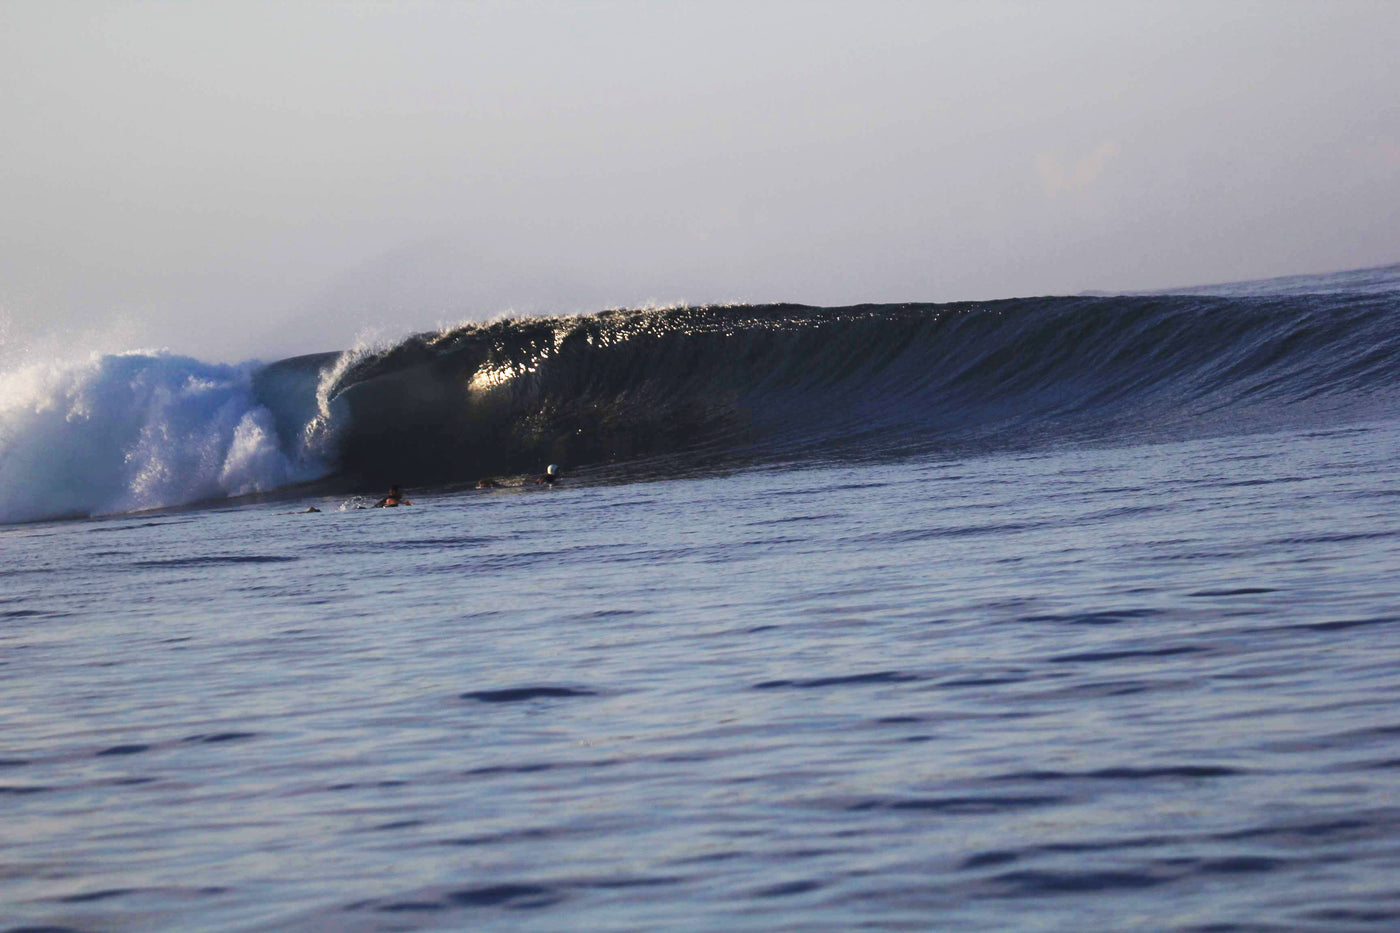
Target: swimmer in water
<point x="393" y="499"/>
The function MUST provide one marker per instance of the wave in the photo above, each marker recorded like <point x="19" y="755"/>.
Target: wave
<point x="732" y="383"/>
<point x="702" y="386"/>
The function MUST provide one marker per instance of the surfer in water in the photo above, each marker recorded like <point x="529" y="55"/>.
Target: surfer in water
<point x="394" y="498"/>
<point x="550" y="477"/>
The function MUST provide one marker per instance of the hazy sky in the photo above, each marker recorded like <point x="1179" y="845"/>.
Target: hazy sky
<point x="243" y="179"/>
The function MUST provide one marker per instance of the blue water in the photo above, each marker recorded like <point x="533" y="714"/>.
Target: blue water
<point x="1107" y="685"/>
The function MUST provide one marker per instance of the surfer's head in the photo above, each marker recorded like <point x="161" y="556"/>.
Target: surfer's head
<point x="395" y="492"/>
<point x="553" y="469"/>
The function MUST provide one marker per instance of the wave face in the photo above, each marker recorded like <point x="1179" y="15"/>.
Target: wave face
<point x="730" y="383"/>
<point x="703" y="387"/>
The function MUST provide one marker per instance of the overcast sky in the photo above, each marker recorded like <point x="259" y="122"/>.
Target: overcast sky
<point x="243" y="179"/>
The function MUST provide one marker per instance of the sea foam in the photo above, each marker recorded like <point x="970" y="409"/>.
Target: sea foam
<point x="116" y="433"/>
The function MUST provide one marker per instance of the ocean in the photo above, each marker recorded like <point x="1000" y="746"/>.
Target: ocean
<point x="1054" y="613"/>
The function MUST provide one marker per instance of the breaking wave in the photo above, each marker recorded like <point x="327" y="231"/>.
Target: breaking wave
<point x="715" y="385"/>
<point x="117" y="433"/>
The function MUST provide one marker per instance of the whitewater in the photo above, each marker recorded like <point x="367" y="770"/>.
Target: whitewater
<point x="1048" y="613"/>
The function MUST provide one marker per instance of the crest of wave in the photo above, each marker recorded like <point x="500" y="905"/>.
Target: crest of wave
<point x="116" y="433"/>
<point x="318" y="435"/>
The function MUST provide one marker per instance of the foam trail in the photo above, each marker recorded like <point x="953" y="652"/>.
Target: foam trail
<point x="139" y="430"/>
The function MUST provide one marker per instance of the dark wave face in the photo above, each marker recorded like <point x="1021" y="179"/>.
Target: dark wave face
<point x="716" y="385"/>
